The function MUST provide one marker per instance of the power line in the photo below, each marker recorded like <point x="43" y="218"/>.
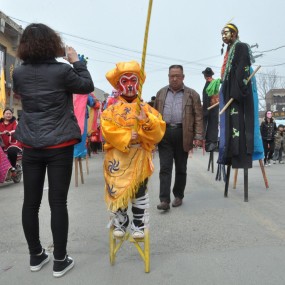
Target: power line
<point x="271" y="49"/>
<point x="183" y="61"/>
<point x="127" y="49"/>
<point x="279" y="64"/>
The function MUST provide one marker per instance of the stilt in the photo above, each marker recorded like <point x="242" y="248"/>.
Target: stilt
<point x="246" y="179"/>
<point x="81" y="170"/>
<point x="212" y="154"/>
<point x="211" y="161"/>
<point x="245" y="184"/>
<point x="76" y="171"/>
<point x="78" y="164"/>
<point x="263" y="173"/>
<point x="227" y="180"/>
<point x="116" y="243"/>
<point x="235" y="178"/>
<point x="87" y="167"/>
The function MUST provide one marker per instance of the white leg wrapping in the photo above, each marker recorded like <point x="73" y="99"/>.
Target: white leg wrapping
<point x="118" y="219"/>
<point x="143" y="204"/>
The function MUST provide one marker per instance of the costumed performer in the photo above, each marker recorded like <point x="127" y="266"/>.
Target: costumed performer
<point x="210" y="117"/>
<point x="130" y="139"/>
<point x="237" y="122"/>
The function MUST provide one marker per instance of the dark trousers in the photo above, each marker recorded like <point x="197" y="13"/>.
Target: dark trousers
<point x="268" y="149"/>
<point x="12" y="153"/>
<point x="58" y="163"/>
<point x="171" y="149"/>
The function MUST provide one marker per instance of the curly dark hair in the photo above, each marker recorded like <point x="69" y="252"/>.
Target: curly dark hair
<point x="39" y="42"/>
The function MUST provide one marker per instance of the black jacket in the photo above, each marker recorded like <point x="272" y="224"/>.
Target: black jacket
<point x="46" y="93"/>
<point x="268" y="130"/>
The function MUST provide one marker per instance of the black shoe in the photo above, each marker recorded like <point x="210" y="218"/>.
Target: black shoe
<point x="38" y="261"/>
<point x="61" y="267"/>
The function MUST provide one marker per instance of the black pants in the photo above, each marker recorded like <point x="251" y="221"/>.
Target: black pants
<point x="58" y="163"/>
<point x="12" y="153"/>
<point x="268" y="150"/>
<point x="171" y="149"/>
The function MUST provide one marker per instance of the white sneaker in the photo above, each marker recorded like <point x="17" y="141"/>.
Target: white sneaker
<point x="269" y="162"/>
<point x="138" y="234"/>
<point x="137" y="231"/>
<point x="119" y="232"/>
<point x="281" y="162"/>
<point x="274" y="161"/>
<point x="120" y="220"/>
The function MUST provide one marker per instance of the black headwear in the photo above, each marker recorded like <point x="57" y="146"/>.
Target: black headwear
<point x="208" y="72"/>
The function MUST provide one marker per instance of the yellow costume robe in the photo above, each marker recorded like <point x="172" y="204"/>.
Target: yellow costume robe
<point x="128" y="163"/>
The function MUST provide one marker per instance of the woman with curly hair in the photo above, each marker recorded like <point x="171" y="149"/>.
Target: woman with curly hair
<point x="48" y="130"/>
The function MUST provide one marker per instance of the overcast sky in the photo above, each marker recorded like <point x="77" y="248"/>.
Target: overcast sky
<point x="181" y="32"/>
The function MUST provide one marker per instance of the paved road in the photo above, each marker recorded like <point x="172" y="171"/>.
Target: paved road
<point x="208" y="240"/>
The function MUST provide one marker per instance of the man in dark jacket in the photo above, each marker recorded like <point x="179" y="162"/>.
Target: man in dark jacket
<point x="181" y="109"/>
<point x="210" y="117"/>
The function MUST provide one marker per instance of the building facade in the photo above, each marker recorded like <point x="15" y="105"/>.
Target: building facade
<point x="275" y="101"/>
<point x="10" y="33"/>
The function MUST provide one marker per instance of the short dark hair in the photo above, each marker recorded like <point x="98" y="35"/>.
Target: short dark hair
<point x="176" y="66"/>
<point x="7" y="109"/>
<point x="39" y="42"/>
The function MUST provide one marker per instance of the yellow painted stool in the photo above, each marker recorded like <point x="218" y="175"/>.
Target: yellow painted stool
<point x="116" y="243"/>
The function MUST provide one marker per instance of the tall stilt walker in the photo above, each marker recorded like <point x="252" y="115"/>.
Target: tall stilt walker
<point x="236" y="146"/>
<point x="210" y="116"/>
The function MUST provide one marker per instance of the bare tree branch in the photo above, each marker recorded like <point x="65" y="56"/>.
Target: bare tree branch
<point x="265" y="82"/>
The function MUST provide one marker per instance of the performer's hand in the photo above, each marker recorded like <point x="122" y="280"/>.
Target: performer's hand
<point x="134" y="135"/>
<point x="142" y="116"/>
<point x="214" y="99"/>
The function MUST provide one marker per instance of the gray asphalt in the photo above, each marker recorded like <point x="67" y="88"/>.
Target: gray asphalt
<point x="208" y="240"/>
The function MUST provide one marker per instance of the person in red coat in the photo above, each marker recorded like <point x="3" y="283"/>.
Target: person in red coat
<point x="10" y="145"/>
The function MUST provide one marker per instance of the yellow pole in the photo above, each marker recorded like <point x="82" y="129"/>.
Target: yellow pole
<point x="144" y="54"/>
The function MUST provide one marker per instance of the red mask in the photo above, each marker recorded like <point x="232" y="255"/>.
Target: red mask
<point x="128" y="84"/>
